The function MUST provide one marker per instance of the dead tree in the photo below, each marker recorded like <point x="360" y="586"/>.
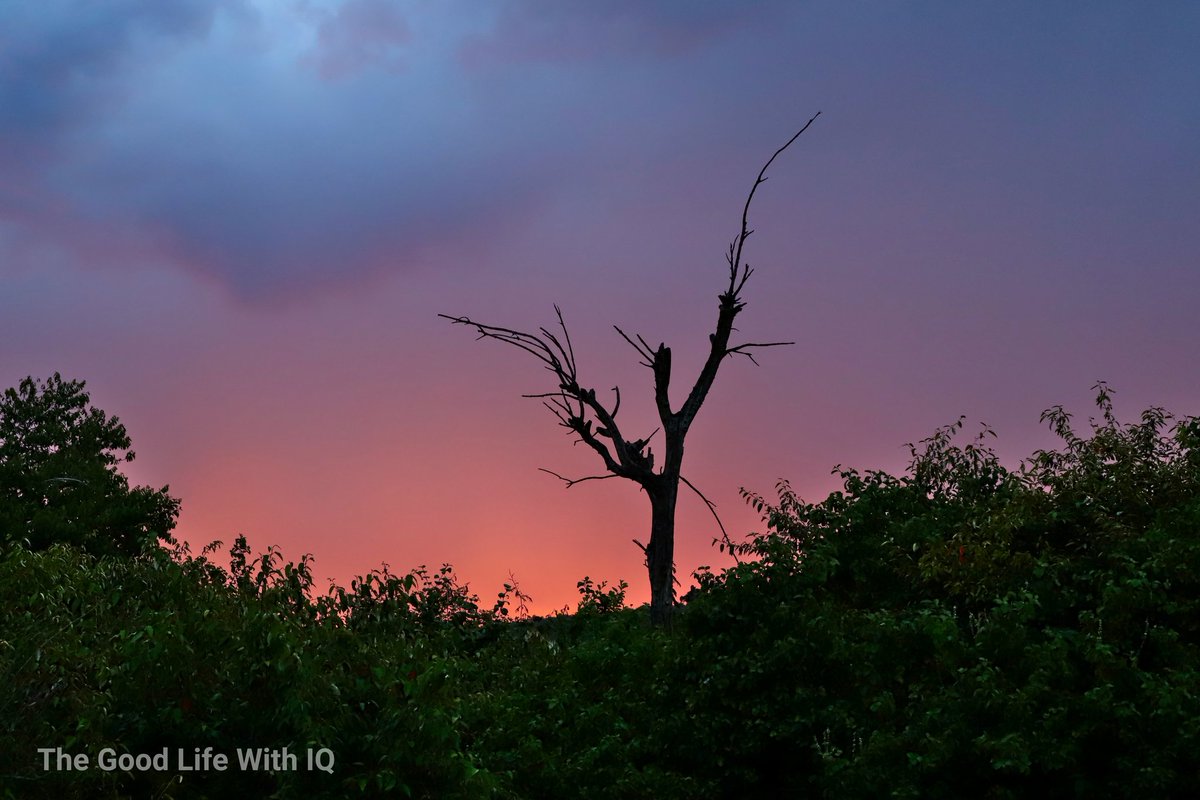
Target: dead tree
<point x="594" y="421"/>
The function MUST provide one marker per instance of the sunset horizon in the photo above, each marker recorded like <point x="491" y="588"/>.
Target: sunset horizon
<point x="239" y="221"/>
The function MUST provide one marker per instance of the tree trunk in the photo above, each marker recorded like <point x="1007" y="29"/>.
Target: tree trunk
<point x="579" y="411"/>
<point x="660" y="552"/>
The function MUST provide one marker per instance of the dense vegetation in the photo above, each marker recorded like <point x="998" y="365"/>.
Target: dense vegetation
<point x="59" y="481"/>
<point x="963" y="630"/>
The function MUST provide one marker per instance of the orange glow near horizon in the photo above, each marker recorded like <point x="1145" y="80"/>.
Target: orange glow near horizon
<point x="239" y="229"/>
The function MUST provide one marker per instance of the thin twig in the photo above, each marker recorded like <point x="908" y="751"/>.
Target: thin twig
<point x="743" y="349"/>
<point x="572" y="481"/>
<point x="713" y="509"/>
<point x="644" y="353"/>
<point x="735" y="254"/>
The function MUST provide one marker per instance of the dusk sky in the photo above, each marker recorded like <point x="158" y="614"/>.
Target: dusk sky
<point x="237" y="220"/>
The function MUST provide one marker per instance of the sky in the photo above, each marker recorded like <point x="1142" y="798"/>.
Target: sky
<point x="237" y="220"/>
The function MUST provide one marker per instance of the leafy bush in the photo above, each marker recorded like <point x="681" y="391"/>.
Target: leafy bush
<point x="598" y="598"/>
<point x="959" y="630"/>
<point x="151" y="653"/>
<point x="967" y="630"/>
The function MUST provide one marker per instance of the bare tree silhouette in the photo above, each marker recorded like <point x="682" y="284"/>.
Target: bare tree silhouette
<point x="594" y="422"/>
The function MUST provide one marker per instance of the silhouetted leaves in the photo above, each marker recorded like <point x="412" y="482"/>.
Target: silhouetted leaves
<point x="962" y="630"/>
<point x="59" y="477"/>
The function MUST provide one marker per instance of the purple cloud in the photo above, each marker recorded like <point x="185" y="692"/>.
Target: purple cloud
<point x="359" y="34"/>
<point x="233" y="162"/>
<point x="58" y="58"/>
<point x="285" y="147"/>
<point x="531" y="31"/>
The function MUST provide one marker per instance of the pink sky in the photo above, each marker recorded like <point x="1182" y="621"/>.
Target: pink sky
<point x="237" y="221"/>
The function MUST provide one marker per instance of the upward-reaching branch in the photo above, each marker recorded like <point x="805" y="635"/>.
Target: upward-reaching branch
<point x="577" y="408"/>
<point x="735" y="247"/>
<point x="731" y="303"/>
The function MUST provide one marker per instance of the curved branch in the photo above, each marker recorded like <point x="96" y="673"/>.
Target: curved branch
<point x="572" y="402"/>
<point x="713" y="509"/>
<point x="534" y="345"/>
<point x="566" y="334"/>
<point x="735" y="252"/>
<point x="729" y="307"/>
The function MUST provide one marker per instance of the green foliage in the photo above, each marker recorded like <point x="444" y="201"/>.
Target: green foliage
<point x="962" y="630"/>
<point x="176" y="653"/>
<point x="599" y="598"/>
<point x="965" y="630"/>
<point x="569" y="706"/>
<point x="59" y="480"/>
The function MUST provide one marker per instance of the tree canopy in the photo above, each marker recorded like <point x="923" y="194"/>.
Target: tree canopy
<point x="960" y="630"/>
<point x="59" y="475"/>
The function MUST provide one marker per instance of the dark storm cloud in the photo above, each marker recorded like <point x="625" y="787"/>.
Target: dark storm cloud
<point x="277" y="148"/>
<point x="136" y="134"/>
<point x="358" y="34"/>
<point x="345" y="140"/>
<point x="528" y="30"/>
<point x="65" y="67"/>
<point x="58" y="57"/>
<point x="291" y="211"/>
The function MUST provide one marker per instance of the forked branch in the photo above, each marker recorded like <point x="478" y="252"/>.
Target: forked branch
<point x="730" y="304"/>
<point x="574" y="406"/>
<point x="578" y="409"/>
<point x="572" y="481"/>
<point x="640" y="346"/>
